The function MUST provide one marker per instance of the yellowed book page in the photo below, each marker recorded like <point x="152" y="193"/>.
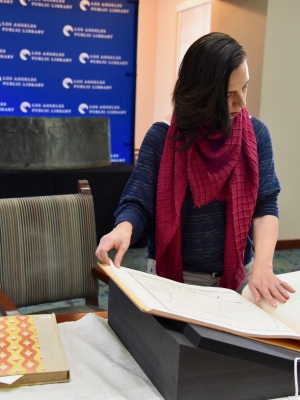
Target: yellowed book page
<point x="288" y="312"/>
<point x="218" y="308"/>
<point x="290" y="344"/>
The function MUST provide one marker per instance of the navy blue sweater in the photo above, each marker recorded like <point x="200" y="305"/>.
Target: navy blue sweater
<point x="203" y="229"/>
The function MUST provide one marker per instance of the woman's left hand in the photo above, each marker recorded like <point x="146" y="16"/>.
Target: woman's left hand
<point x="263" y="283"/>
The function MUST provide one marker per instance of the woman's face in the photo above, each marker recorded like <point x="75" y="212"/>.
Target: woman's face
<point x="237" y="90"/>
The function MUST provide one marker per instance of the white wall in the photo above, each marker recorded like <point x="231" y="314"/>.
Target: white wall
<point x="245" y="20"/>
<point x="280" y="103"/>
<point x="156" y="58"/>
<point x="146" y="68"/>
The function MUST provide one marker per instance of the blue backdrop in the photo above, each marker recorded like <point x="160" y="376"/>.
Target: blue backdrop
<point x="71" y="58"/>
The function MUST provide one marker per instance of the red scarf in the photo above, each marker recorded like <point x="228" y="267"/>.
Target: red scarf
<point x="227" y="173"/>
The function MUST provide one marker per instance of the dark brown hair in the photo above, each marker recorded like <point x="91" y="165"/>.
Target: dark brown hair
<point x="200" y="93"/>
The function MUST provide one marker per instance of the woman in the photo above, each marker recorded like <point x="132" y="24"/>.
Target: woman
<point x="204" y="188"/>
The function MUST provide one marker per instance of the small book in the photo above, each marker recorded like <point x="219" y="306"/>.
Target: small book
<point x="31" y="351"/>
<point x="214" y="307"/>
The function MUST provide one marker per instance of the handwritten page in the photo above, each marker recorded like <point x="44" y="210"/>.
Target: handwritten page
<point x="218" y="308"/>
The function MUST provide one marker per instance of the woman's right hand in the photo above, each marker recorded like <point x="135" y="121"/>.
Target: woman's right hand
<point x="119" y="239"/>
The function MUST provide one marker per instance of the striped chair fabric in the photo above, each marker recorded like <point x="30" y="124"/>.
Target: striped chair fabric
<point x="47" y="247"/>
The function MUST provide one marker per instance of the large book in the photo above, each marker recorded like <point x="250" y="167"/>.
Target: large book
<point x="31" y="351"/>
<point x="214" y="307"/>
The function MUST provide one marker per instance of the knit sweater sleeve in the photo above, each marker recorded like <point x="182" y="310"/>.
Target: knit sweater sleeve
<point x="137" y="204"/>
<point x="269" y="186"/>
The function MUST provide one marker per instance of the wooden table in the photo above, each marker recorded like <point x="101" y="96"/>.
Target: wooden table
<point x="75" y="317"/>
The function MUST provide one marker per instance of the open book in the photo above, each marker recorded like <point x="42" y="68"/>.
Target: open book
<point x="217" y="308"/>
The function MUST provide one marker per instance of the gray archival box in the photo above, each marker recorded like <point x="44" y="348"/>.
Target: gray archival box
<point x="190" y="362"/>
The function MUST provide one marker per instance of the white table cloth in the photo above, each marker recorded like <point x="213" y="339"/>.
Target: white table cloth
<point x="100" y="368"/>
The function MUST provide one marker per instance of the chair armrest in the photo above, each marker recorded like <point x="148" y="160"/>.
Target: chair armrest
<point x="100" y="274"/>
<point x="7" y="306"/>
<point x="2" y="311"/>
